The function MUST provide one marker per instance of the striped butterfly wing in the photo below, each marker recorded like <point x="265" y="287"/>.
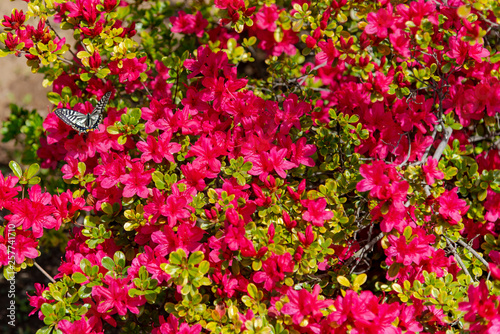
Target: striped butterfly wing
<point x="75" y="119"/>
<point x="95" y="118"/>
<point x="84" y="122"/>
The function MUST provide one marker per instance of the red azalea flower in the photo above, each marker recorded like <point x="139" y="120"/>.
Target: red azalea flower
<point x="380" y="22"/>
<point x="175" y="209"/>
<point x="115" y="297"/>
<point x="304" y="303"/>
<point x="451" y="207"/>
<point x="266" y="163"/>
<point x="316" y="211"/>
<point x="25" y="246"/>
<point x="128" y="69"/>
<point x="274" y="270"/>
<point x="460" y="50"/>
<point x="7" y="189"/>
<point x="171" y="326"/>
<point x="15" y="21"/>
<point x="431" y="171"/>
<point x="81" y="326"/>
<point x="413" y="251"/>
<point x="136" y="181"/>
<point x="35" y="213"/>
<point x="374" y="180"/>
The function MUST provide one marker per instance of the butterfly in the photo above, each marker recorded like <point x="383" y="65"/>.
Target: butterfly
<point x="84" y="122"/>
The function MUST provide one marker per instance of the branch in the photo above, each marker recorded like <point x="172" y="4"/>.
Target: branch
<point x="44" y="272"/>
<point x="457" y="257"/>
<point x="365" y="248"/>
<point x="442" y="145"/>
<point x="476" y="254"/>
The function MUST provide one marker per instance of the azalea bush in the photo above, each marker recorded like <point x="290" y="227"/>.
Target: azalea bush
<point x="262" y="166"/>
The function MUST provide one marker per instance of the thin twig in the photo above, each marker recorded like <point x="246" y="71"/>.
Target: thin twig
<point x="44" y="272"/>
<point x="365" y="248"/>
<point x="457" y="257"/>
<point x="442" y="145"/>
<point x="476" y="254"/>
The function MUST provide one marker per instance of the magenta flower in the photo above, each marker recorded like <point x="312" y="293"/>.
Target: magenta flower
<point x="460" y="50"/>
<point x="374" y="179"/>
<point x="8" y="190"/>
<point x="175" y="209"/>
<point x="171" y="326"/>
<point x="379" y="23"/>
<point x="266" y="163"/>
<point x="303" y="303"/>
<point x="136" y="181"/>
<point x="414" y="251"/>
<point x="451" y="207"/>
<point x="189" y="23"/>
<point x="35" y="213"/>
<point x="81" y="326"/>
<point x="274" y="270"/>
<point x="25" y="246"/>
<point x="115" y="297"/>
<point x="316" y="211"/>
<point x="431" y="171"/>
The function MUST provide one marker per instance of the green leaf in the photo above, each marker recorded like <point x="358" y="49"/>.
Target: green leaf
<point x="119" y="259"/>
<point x="108" y="263"/>
<point x="107" y="208"/>
<point x="252" y="291"/>
<point x="360" y="280"/>
<point x="34" y="180"/>
<point x="54" y="98"/>
<point x="14" y="166"/>
<point x="79" y="277"/>
<point x="32" y="170"/>
<point x="85" y="76"/>
<point x="177" y="256"/>
<point x="196" y="258"/>
<point x="343" y="281"/>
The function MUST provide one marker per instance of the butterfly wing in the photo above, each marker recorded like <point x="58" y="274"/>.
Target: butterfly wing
<point x="82" y="122"/>
<point x="95" y="118"/>
<point x="75" y="119"/>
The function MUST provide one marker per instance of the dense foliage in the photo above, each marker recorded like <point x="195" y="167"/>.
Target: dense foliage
<point x="262" y="167"/>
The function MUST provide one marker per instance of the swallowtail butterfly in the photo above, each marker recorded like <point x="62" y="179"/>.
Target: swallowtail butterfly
<point x="84" y="122"/>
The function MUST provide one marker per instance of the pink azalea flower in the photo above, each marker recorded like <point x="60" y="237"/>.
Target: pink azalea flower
<point x="81" y="326"/>
<point x="460" y="50"/>
<point x="414" y="251"/>
<point x="431" y="171"/>
<point x="492" y="206"/>
<point x="266" y="163"/>
<point x="175" y="209"/>
<point x="451" y="207"/>
<point x="171" y="326"/>
<point x="128" y="69"/>
<point x="136" y="181"/>
<point x="274" y="270"/>
<point x="316" y="211"/>
<point x="374" y="179"/>
<point x="35" y="213"/>
<point x="304" y="303"/>
<point x="380" y="22"/>
<point x="25" y="246"/>
<point x="115" y="297"/>
<point x="189" y="23"/>
<point x="8" y="190"/>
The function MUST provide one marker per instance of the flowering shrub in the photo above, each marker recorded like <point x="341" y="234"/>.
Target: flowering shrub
<point x="290" y="167"/>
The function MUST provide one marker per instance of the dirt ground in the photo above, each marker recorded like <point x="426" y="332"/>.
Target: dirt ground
<point x="18" y="85"/>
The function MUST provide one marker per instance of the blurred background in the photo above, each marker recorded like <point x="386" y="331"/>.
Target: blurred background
<point x="18" y="85"/>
